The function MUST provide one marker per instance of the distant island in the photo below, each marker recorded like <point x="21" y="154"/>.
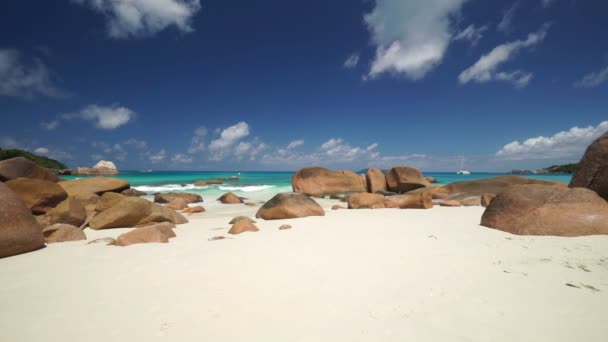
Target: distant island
<point x="554" y="169"/>
<point x="40" y="160"/>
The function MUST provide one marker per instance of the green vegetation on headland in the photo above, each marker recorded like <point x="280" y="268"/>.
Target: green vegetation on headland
<point x="554" y="169"/>
<point x="40" y="160"/>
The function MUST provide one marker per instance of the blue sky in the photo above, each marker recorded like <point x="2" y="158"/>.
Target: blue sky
<point x="234" y="85"/>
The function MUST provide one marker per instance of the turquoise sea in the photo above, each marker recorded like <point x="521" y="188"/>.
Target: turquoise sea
<point x="258" y="185"/>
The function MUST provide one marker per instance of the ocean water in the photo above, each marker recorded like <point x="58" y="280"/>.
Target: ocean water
<point x="258" y="185"/>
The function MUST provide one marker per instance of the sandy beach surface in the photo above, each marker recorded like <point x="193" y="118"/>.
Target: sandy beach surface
<point x="353" y="275"/>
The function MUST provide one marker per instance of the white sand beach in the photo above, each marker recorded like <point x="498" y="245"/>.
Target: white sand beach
<point x="353" y="275"/>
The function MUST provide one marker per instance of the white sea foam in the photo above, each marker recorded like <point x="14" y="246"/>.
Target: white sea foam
<point x="169" y="187"/>
<point x="246" y="188"/>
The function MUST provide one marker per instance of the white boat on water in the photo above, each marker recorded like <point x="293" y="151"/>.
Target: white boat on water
<point x="462" y="170"/>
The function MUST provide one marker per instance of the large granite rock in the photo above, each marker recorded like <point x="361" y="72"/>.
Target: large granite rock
<point x="366" y="200"/>
<point x="289" y="205"/>
<point x="39" y="195"/>
<point x="71" y="211"/>
<point x="230" y="198"/>
<point x="108" y="200"/>
<point x="376" y="180"/>
<point x="150" y="234"/>
<point x="24" y="168"/>
<point x="19" y="230"/>
<point x="96" y="185"/>
<point x="168" y="197"/>
<point x="494" y="185"/>
<point x="133" y="211"/>
<point x="418" y="200"/>
<point x="592" y="171"/>
<point x="63" y="233"/>
<point x="320" y="182"/>
<point x="544" y="210"/>
<point x="105" y="167"/>
<point x="402" y="179"/>
<point x="133" y="192"/>
<point x="177" y="204"/>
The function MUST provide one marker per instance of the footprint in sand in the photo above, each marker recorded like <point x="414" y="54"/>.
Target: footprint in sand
<point x="583" y="286"/>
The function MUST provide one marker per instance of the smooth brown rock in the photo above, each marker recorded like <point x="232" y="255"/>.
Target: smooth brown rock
<point x="450" y="203"/>
<point x="366" y="201"/>
<point x="431" y="180"/>
<point x="61" y="232"/>
<point x="20" y="167"/>
<point x="133" y="211"/>
<point x="419" y="200"/>
<point x="134" y="193"/>
<point x="376" y="180"/>
<point x="250" y="204"/>
<point x="243" y="226"/>
<point x="19" y="230"/>
<point x="230" y="198"/>
<point x="241" y="218"/>
<point x="285" y="227"/>
<point x="43" y="220"/>
<point x="108" y="200"/>
<point x="402" y="179"/>
<point x="177" y="204"/>
<point x="194" y="210"/>
<point x="320" y="182"/>
<point x="96" y="185"/>
<point x="38" y="195"/>
<point x="108" y="241"/>
<point x="492" y="185"/>
<point x="168" y="197"/>
<point x="592" y="171"/>
<point x="149" y="234"/>
<point x="545" y="210"/>
<point x="215" y="238"/>
<point x="208" y="182"/>
<point x="486" y="199"/>
<point x="337" y="207"/>
<point x="289" y="205"/>
<point x="71" y="211"/>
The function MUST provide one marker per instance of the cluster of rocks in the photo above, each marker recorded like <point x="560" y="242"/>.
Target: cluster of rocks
<point x="103" y="167"/>
<point x="214" y="181"/>
<point x="37" y="207"/>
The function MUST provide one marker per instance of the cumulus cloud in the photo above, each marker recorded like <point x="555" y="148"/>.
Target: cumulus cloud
<point x="295" y="144"/>
<point x="222" y="147"/>
<point x="352" y="61"/>
<point x="107" y="118"/>
<point x="593" y="79"/>
<point x="485" y="69"/>
<point x="505" y="24"/>
<point x="198" y="140"/>
<point x="25" y="79"/>
<point x="41" y="150"/>
<point x="181" y="158"/>
<point x="248" y="149"/>
<point x="141" y="18"/>
<point x="157" y="157"/>
<point x="138" y="144"/>
<point x="50" y="125"/>
<point x="411" y="37"/>
<point x="562" y="145"/>
<point x="471" y="34"/>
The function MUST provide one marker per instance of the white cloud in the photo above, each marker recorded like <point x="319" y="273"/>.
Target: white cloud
<point x="505" y="23"/>
<point x="566" y="144"/>
<point x="138" y="144"/>
<point x="352" y="61"/>
<point x="222" y="147"/>
<point x="593" y="79"/>
<point x="484" y="70"/>
<point x="198" y="140"/>
<point x="547" y="3"/>
<point x="157" y="157"/>
<point x="50" y="125"/>
<point x="41" y="150"/>
<point x="26" y="80"/>
<point x="140" y="18"/>
<point x="104" y="117"/>
<point x="471" y="34"/>
<point x="295" y="144"/>
<point x="411" y="37"/>
<point x="181" y="158"/>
